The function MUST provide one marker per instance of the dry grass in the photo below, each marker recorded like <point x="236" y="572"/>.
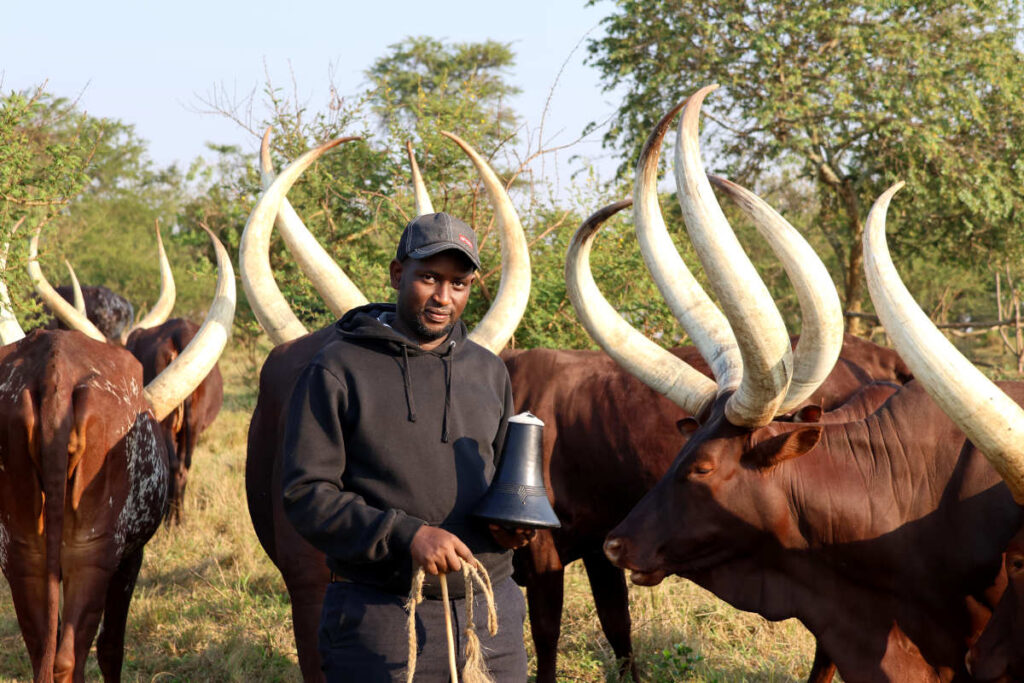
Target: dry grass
<point x="210" y="606"/>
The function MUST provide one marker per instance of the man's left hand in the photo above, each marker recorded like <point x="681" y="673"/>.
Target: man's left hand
<point x="511" y="537"/>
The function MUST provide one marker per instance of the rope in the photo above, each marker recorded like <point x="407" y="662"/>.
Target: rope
<point x="475" y="669"/>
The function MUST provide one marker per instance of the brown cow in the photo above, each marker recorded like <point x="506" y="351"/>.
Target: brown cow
<point x="156" y="348"/>
<point x="84" y="480"/>
<point x="607" y="429"/>
<point x="998" y="653"/>
<point x="882" y="535"/>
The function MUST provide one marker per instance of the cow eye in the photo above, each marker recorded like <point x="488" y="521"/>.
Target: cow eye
<point x="703" y="467"/>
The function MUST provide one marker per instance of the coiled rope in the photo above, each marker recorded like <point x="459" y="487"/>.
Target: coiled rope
<point x="475" y="670"/>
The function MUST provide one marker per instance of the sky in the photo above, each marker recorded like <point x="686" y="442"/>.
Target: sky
<point x="151" y="64"/>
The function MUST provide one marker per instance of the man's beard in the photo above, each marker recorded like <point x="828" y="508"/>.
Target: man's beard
<point x="430" y="334"/>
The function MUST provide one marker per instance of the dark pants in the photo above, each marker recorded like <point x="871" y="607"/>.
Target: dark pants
<point x="364" y="635"/>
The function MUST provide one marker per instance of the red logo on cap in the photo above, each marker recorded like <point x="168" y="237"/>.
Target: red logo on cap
<point x="465" y="240"/>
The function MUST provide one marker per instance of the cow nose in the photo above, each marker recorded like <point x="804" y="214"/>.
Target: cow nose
<point x="613" y="549"/>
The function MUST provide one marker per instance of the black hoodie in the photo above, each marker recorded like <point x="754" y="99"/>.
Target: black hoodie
<point x="383" y="437"/>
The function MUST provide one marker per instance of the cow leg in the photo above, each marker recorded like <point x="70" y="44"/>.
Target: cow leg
<point x="611" y="598"/>
<point x="110" y="644"/>
<point x="823" y="669"/>
<point x="84" y="589"/>
<point x="544" y="599"/>
<point x="28" y="592"/>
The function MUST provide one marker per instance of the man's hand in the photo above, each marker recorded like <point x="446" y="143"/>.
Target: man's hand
<point x="438" y="551"/>
<point x="511" y="538"/>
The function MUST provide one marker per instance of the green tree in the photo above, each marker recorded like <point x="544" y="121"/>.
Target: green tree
<point x="852" y="96"/>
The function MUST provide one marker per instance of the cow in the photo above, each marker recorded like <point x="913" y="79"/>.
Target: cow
<point x="882" y="534"/>
<point x="156" y="348"/>
<point x="607" y="439"/>
<point x="998" y="653"/>
<point x="155" y="341"/>
<point x="84" y="481"/>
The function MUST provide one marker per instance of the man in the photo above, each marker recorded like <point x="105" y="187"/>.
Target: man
<point x="393" y="434"/>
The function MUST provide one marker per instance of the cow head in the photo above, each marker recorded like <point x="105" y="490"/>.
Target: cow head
<point x="757" y="374"/>
<point x="998" y="654"/>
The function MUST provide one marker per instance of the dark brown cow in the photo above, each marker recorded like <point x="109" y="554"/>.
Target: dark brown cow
<point x="607" y="439"/>
<point x="156" y="347"/>
<point x="83" y="486"/>
<point x="998" y="653"/>
<point x="883" y="535"/>
<point x="84" y="479"/>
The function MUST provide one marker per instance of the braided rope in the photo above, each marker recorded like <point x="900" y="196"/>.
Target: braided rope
<point x="475" y="669"/>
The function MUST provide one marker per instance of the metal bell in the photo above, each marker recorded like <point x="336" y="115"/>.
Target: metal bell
<point x="517" y="496"/>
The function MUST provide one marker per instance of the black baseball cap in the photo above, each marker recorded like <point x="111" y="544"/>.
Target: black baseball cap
<point x="433" y="233"/>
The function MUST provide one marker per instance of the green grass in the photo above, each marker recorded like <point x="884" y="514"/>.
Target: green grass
<point x="209" y="605"/>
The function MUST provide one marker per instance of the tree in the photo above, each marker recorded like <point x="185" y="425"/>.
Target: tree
<point x="851" y="96"/>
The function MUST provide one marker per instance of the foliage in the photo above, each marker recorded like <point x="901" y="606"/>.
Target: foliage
<point x="850" y="95"/>
<point x="46" y="146"/>
<point x="90" y="183"/>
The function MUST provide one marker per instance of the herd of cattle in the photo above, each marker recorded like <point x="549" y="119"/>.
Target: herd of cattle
<point x="873" y="494"/>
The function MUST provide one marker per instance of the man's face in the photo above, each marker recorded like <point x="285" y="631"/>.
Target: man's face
<point x="432" y="293"/>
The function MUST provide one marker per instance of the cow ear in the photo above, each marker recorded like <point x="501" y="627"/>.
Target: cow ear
<point x="687" y="426"/>
<point x="775" y="449"/>
<point x="808" y="414"/>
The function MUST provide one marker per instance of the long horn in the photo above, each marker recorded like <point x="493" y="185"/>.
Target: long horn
<point x="179" y="379"/>
<point x="499" y="324"/>
<point x="423" y="203"/>
<point x="988" y="417"/>
<point x="54" y="301"/>
<point x="76" y="289"/>
<point x="10" y="329"/>
<point x="161" y="310"/>
<point x="267" y="303"/>
<point x="687" y="300"/>
<point x="821" y="339"/>
<point x="334" y="286"/>
<point x="746" y="302"/>
<point x="638" y="355"/>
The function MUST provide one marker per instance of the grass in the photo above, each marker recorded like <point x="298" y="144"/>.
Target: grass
<point x="209" y="605"/>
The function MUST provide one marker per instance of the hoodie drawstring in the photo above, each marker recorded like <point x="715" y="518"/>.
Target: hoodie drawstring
<point x="407" y="381"/>
<point x="448" y="388"/>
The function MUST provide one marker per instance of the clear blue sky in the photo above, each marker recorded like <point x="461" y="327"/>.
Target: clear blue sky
<point x="149" y="63"/>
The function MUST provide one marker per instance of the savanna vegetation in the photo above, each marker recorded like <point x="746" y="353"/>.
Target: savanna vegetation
<point x="821" y="107"/>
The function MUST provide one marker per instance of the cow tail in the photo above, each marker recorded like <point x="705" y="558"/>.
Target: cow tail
<point x="55" y="427"/>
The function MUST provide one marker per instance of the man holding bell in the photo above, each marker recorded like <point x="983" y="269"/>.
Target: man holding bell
<point x="393" y="435"/>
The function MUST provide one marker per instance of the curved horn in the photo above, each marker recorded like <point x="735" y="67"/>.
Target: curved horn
<point x="642" y="358"/>
<point x="687" y="300"/>
<point x="756" y="322"/>
<point x="161" y="310"/>
<point x="423" y="204"/>
<point x="268" y="304"/>
<point x="989" y="418"/>
<point x="10" y="330"/>
<point x="54" y="301"/>
<point x="821" y="339"/>
<point x="179" y="379"/>
<point x="509" y="304"/>
<point x="334" y="286"/>
<point x="76" y="289"/>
